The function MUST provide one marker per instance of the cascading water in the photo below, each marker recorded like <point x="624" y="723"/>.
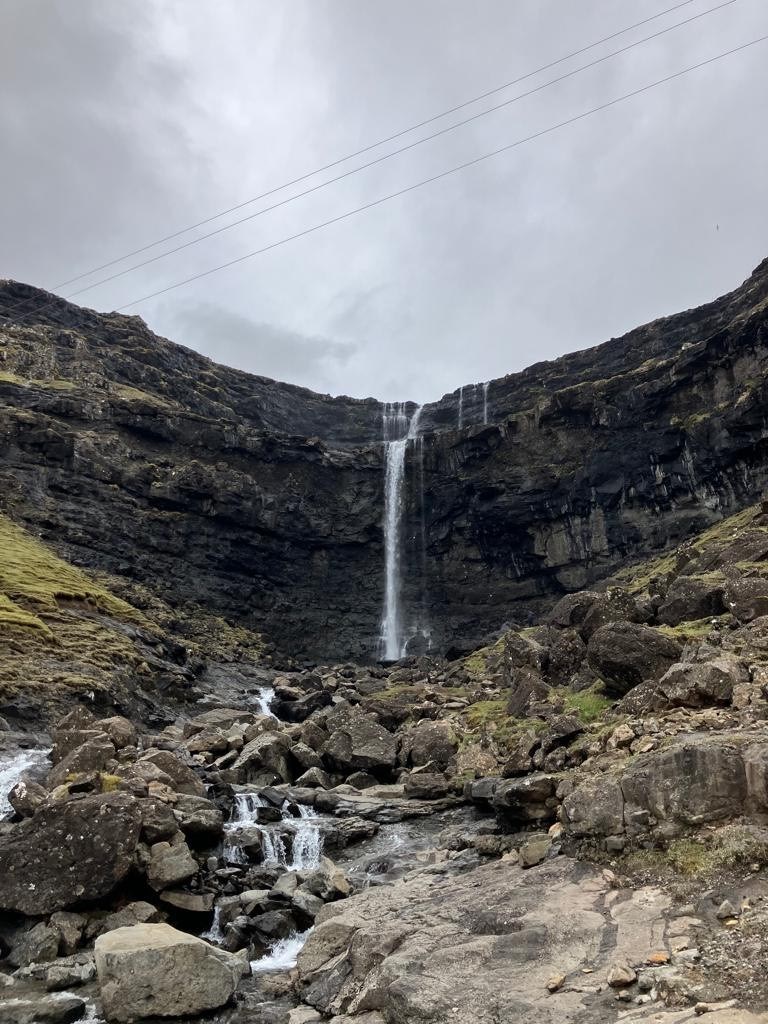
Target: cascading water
<point x="12" y="767"/>
<point x="461" y="408"/>
<point x="263" y="698"/>
<point x="398" y="431"/>
<point x="306" y="846"/>
<point x="485" y="401"/>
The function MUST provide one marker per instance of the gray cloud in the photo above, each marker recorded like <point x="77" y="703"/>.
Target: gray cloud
<point x="283" y="354"/>
<point x="122" y="122"/>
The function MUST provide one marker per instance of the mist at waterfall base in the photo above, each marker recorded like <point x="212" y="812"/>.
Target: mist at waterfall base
<point x="401" y="435"/>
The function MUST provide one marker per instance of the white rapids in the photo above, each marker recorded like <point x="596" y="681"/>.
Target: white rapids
<point x="306" y="847"/>
<point x="282" y="955"/>
<point x="12" y="767"/>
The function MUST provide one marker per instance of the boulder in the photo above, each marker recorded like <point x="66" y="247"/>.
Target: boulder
<point x="360" y="743"/>
<point x="198" y="816"/>
<point x="268" y="750"/>
<point x="37" y="945"/>
<point x="68" y="852"/>
<point x="183" y="778"/>
<point x="694" y="685"/>
<point x="70" y="928"/>
<point x="530" y="798"/>
<point x="26" y="797"/>
<point x="594" y="808"/>
<point x="747" y="597"/>
<point x="121" y="731"/>
<point x="625" y="654"/>
<point x="426" y="786"/>
<point x="692" y="597"/>
<point x="429" y="743"/>
<point x="153" y="970"/>
<point x="610" y="606"/>
<point x="60" y="1008"/>
<point x="170" y="863"/>
<point x="91" y="756"/>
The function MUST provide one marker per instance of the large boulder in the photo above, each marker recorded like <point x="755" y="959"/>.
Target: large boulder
<point x="747" y="597"/>
<point x="183" y="778"/>
<point x="693" y="685"/>
<point x="267" y="752"/>
<point x="68" y="853"/>
<point x="624" y="654"/>
<point x="91" y="756"/>
<point x="56" y="1008"/>
<point x="531" y="798"/>
<point x="359" y="742"/>
<point x="153" y="970"/>
<point x="692" y="597"/>
<point x="429" y="743"/>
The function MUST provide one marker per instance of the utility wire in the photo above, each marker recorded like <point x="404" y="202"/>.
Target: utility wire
<point x="373" y="145"/>
<point x="395" y="152"/>
<point x="445" y="174"/>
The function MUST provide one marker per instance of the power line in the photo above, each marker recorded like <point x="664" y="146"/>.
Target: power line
<point x="386" y="156"/>
<point x="445" y="174"/>
<point x="374" y="145"/>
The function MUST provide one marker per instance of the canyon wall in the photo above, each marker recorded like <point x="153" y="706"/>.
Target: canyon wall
<point x="264" y="501"/>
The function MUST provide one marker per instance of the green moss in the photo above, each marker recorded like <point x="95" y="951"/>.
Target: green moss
<point x="33" y="575"/>
<point x="48" y="385"/>
<point x="109" y="783"/>
<point x="589" y="705"/>
<point x="13" y="617"/>
<point x="729" y="848"/>
<point x="694" y="629"/>
<point x="129" y="394"/>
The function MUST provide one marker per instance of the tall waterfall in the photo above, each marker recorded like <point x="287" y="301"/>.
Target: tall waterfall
<point x="485" y="401"/>
<point x="460" y="423"/>
<point x="398" y="431"/>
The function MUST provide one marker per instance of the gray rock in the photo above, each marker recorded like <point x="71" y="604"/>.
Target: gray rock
<point x="360" y="743"/>
<point x="692" y="597"/>
<point x="534" y="850"/>
<point x="198" y="816"/>
<point x="68" y="852"/>
<point x="429" y="743"/>
<point x="625" y="654"/>
<point x="183" y="778"/>
<point x="61" y="1008"/>
<point x="694" y="685"/>
<point x="38" y="944"/>
<point x="153" y="970"/>
<point x="170" y="864"/>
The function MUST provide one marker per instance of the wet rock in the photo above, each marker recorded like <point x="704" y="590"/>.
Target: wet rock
<point x="153" y="970"/>
<point x="61" y="1008"/>
<point x="26" y="797"/>
<point x="36" y="945"/>
<point x="625" y="654"/>
<point x="68" y="852"/>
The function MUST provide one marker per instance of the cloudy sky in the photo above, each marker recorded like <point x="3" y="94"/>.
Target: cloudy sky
<point x="124" y="122"/>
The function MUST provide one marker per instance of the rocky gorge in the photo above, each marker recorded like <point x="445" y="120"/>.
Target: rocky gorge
<point x="220" y="803"/>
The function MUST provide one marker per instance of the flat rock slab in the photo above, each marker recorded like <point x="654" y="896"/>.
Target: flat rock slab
<point x="153" y="970"/>
<point x="53" y="1009"/>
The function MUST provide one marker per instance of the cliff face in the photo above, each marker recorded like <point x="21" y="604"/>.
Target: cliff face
<point x="263" y="501"/>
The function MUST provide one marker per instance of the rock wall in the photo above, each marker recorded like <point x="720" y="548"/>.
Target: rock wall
<point x="263" y="501"/>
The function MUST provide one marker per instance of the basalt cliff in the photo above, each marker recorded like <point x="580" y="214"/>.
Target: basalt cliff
<point x="262" y="502"/>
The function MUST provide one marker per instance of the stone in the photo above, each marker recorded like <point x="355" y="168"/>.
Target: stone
<point x="120" y="730"/>
<point x="70" y="928"/>
<point x="153" y="970"/>
<point x="747" y="597"/>
<point x="183" y="778"/>
<point x="534" y="850"/>
<point x="426" y="786"/>
<point x="68" y="853"/>
<point x="38" y="944"/>
<point x="138" y="912"/>
<point x="26" y="797"/>
<point x="268" y="750"/>
<point x="429" y="743"/>
<point x="158" y="820"/>
<point x="594" y="808"/>
<point x="305" y="756"/>
<point x="360" y="743"/>
<point x="555" y="983"/>
<point x="191" y="902"/>
<point x="696" y="685"/>
<point x="625" y="654"/>
<point x="528" y="799"/>
<point x="692" y="597"/>
<point x="60" y="1008"/>
<point x="91" y="756"/>
<point x="726" y="910"/>
<point x="197" y="816"/>
<point x="315" y="778"/>
<point x="170" y="864"/>
<point x="620" y="975"/>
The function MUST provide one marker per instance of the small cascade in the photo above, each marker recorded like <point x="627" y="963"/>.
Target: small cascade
<point x="12" y="767"/>
<point x="398" y="431"/>
<point x="306" y="844"/>
<point x="263" y="699"/>
<point x="215" y="933"/>
<point x="485" y="401"/>
<point x="282" y="955"/>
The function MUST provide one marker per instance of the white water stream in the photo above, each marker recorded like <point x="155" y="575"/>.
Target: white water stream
<point x="12" y="767"/>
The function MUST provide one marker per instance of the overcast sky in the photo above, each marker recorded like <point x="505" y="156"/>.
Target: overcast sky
<point x="122" y="122"/>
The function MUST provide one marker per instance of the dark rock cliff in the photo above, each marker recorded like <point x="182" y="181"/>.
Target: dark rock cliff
<point x="263" y="501"/>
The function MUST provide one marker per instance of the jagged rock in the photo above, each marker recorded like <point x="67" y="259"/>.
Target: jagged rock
<point x="153" y="970"/>
<point x="697" y="685"/>
<point x="26" y="797"/>
<point x="121" y="731"/>
<point x="625" y="654"/>
<point x="315" y="778"/>
<point x="560" y="730"/>
<point x="183" y="778"/>
<point x="269" y="750"/>
<point x="158" y="820"/>
<point x="36" y="945"/>
<point x="692" y="597"/>
<point x="610" y="606"/>
<point x="91" y="756"/>
<point x="531" y="798"/>
<point x="305" y="756"/>
<point x="68" y="852"/>
<point x="534" y="850"/>
<point x="198" y="816"/>
<point x="595" y="808"/>
<point x="70" y="928"/>
<point x="747" y="597"/>
<point x="191" y="902"/>
<point x="138" y="912"/>
<point x="360" y="743"/>
<point x="207" y="741"/>
<point x="620" y="975"/>
<point x="429" y="743"/>
<point x="222" y="719"/>
<point x="170" y="864"/>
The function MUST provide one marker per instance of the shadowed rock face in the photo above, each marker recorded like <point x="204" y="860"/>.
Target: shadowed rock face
<point x="263" y="501"/>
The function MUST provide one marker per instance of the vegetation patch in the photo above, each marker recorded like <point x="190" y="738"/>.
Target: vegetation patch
<point x="588" y="705"/>
<point x="730" y="848"/>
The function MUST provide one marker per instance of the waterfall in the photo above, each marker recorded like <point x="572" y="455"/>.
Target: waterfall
<point x="485" y="401"/>
<point x="12" y="767"/>
<point x="263" y="699"/>
<point x="398" y="431"/>
<point x="461" y="407"/>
